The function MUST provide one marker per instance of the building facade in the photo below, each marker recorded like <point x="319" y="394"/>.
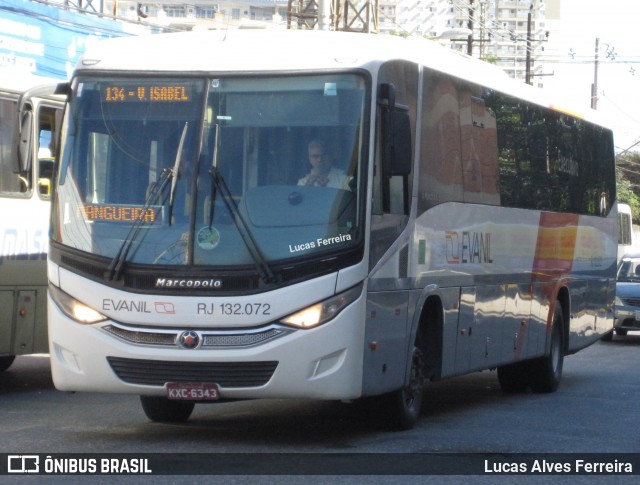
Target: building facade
<point x="203" y="14"/>
<point x="509" y="33"/>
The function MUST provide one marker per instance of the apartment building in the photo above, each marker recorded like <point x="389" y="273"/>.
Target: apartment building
<point x="509" y="33"/>
<point x="205" y="14"/>
<point x="422" y="18"/>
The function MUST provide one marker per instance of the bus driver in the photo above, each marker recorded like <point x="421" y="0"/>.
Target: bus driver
<point x="322" y="174"/>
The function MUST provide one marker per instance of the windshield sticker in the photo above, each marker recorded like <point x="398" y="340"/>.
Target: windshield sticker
<point x="318" y="243"/>
<point x="208" y="238"/>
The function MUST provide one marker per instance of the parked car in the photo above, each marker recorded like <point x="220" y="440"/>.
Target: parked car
<point x="627" y="307"/>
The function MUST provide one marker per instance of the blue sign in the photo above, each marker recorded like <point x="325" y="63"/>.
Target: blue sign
<point x="46" y="40"/>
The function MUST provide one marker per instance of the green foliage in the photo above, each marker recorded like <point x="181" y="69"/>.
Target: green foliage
<point x="491" y="59"/>
<point x="628" y="182"/>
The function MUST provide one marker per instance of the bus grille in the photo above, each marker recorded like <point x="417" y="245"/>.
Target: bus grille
<point x="210" y="338"/>
<point x="225" y="374"/>
<point x="632" y="301"/>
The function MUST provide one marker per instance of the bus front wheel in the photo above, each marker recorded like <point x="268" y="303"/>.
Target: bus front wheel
<point x="163" y="410"/>
<point x="5" y="362"/>
<point x="404" y="405"/>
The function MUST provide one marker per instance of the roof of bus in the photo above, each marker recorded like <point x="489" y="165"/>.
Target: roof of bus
<point x="271" y="50"/>
<point x="253" y="50"/>
<point x="19" y="82"/>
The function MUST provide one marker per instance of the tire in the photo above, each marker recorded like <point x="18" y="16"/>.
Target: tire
<point x="513" y="377"/>
<point x="6" y="361"/>
<point x="542" y="374"/>
<point x="607" y="337"/>
<point x="546" y="372"/>
<point x="163" y="410"/>
<point x="403" y="406"/>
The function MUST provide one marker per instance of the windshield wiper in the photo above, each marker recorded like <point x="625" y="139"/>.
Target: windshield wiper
<point x="168" y="174"/>
<point x="218" y="184"/>
<point x="176" y="168"/>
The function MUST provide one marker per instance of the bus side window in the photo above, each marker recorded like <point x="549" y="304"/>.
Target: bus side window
<point x="9" y="181"/>
<point x="396" y="118"/>
<point x="394" y="154"/>
<point x="45" y="176"/>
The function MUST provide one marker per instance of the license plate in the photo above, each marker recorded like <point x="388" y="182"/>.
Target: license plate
<point x="192" y="391"/>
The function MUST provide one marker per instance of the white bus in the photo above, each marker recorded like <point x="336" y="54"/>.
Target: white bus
<point x="472" y="228"/>
<point x="29" y="118"/>
<point x="626" y="237"/>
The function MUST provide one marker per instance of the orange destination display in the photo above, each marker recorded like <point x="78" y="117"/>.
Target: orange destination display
<point x="119" y="213"/>
<point x="142" y="93"/>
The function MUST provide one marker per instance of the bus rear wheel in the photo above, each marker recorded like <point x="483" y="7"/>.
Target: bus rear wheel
<point x="542" y="374"/>
<point x="546" y="372"/>
<point x="513" y="377"/>
<point x="163" y="410"/>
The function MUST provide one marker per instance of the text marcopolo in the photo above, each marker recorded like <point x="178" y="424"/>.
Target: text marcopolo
<point x="193" y="283"/>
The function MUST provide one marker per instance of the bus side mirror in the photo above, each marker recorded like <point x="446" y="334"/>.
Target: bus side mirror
<point x="398" y="150"/>
<point x="63" y="88"/>
<point x="395" y="133"/>
<point x="24" y="142"/>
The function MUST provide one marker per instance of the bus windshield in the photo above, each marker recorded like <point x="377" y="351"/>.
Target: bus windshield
<point x="213" y="172"/>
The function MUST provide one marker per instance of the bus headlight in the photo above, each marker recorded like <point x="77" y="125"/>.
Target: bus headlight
<point x="324" y="311"/>
<point x="74" y="309"/>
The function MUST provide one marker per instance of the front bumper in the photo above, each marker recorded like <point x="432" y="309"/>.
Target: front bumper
<point x="320" y="363"/>
<point x="627" y="317"/>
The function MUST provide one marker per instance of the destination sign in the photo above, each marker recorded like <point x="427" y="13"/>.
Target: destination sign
<point x="119" y="213"/>
<point x="176" y="93"/>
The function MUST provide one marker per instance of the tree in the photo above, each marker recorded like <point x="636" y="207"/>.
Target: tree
<point x="491" y="59"/>
<point x="628" y="181"/>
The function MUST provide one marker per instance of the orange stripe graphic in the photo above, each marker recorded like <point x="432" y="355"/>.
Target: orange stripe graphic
<point x="555" y="250"/>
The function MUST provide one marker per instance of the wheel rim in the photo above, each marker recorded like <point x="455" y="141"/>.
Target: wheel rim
<point x="556" y="350"/>
<point x="414" y="389"/>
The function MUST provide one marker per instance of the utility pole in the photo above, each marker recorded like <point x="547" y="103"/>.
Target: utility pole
<point x="483" y="16"/>
<point x="324" y="14"/>
<point x="594" y="86"/>
<point x="527" y="76"/>
<point x="347" y="15"/>
<point x="470" y="26"/>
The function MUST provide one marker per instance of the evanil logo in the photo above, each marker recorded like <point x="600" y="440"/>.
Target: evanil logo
<point x="462" y="248"/>
<point x="468" y="247"/>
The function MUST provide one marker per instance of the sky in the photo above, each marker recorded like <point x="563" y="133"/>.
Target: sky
<point x="570" y="56"/>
